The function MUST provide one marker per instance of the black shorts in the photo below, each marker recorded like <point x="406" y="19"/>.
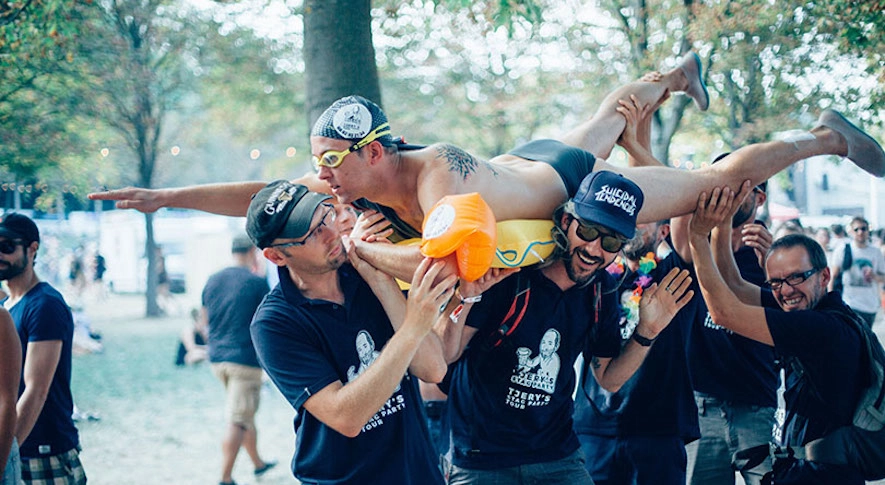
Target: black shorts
<point x="571" y="163"/>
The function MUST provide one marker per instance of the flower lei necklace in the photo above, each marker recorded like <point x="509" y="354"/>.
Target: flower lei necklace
<point x="630" y="298"/>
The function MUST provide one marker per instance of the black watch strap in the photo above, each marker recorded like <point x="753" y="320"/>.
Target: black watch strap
<point x="645" y="342"/>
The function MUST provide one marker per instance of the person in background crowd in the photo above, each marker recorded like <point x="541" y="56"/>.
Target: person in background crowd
<point x="50" y="443"/>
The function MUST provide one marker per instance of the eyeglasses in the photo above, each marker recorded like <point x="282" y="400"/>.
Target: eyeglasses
<point x="333" y="159"/>
<point x="591" y="232"/>
<point x="330" y="210"/>
<point x="860" y="228"/>
<point x="793" y="280"/>
<point x="7" y="246"/>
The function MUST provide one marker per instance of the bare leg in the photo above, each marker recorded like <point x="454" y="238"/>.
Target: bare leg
<point x="599" y="134"/>
<point x="250" y="444"/>
<point x="230" y="446"/>
<point x="680" y="189"/>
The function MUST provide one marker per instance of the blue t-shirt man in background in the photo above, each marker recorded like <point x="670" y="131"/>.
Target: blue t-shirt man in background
<point x="344" y="347"/>
<point x="49" y="440"/>
<point x="810" y="326"/>
<point x="230" y="298"/>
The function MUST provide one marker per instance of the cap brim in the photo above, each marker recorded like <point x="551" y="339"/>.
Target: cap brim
<point x="600" y="218"/>
<point x="301" y="216"/>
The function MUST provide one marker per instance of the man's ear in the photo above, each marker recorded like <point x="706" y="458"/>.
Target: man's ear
<point x="761" y="197"/>
<point x="663" y="232"/>
<point x="274" y="255"/>
<point x="375" y="151"/>
<point x="31" y="250"/>
<point x="825" y="276"/>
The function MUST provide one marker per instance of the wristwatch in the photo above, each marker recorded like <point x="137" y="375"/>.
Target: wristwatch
<point x="645" y="342"/>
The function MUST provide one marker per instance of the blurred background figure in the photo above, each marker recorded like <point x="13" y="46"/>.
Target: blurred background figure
<point x="861" y="268"/>
<point x="230" y="298"/>
<point x="192" y="348"/>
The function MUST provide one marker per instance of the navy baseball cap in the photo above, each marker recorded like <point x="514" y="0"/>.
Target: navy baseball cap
<point x="610" y="200"/>
<point x="281" y="210"/>
<point x="351" y="118"/>
<point x="19" y="226"/>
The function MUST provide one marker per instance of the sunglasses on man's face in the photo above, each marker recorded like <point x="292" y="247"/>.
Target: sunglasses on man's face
<point x="7" y="246"/>
<point x="590" y="232"/>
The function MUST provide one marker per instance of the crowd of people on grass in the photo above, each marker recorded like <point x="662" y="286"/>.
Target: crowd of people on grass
<point x="649" y="347"/>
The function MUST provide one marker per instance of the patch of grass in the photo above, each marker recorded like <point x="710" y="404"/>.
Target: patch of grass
<point x="160" y="423"/>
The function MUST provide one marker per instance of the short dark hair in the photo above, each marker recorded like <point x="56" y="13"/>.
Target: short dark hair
<point x="815" y="252"/>
<point x="859" y="219"/>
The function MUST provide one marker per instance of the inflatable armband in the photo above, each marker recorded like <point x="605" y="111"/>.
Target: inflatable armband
<point x="463" y="224"/>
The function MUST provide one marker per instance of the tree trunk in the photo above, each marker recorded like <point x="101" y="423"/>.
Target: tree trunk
<point x="152" y="308"/>
<point x="339" y="56"/>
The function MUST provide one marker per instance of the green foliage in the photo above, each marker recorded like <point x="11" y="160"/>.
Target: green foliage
<point x="39" y="126"/>
<point x="858" y="28"/>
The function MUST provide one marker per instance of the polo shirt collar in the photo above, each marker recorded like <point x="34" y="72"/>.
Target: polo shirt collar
<point x="348" y="276"/>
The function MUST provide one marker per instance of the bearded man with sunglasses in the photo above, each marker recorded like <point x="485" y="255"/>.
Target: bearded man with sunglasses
<point x="49" y="440"/>
<point x="511" y="419"/>
<point x="812" y="329"/>
<point x="344" y="347"/>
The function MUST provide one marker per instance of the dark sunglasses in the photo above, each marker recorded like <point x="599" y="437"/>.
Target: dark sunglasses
<point x="793" y="280"/>
<point x="8" y="246"/>
<point x="590" y="232"/>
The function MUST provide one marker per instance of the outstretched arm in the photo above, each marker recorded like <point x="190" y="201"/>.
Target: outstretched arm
<point x="659" y="304"/>
<point x="227" y="199"/>
<point x="724" y="306"/>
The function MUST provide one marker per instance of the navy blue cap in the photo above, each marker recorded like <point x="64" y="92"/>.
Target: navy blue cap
<point x="610" y="200"/>
<point x="19" y="226"/>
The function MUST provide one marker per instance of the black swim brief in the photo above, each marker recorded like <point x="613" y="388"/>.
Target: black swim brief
<point x="571" y="163"/>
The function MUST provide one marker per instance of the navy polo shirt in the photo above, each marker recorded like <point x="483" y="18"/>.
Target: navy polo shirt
<point x="729" y="366"/>
<point x="512" y="404"/>
<point x="304" y="345"/>
<point x="658" y="399"/>
<point x="829" y="348"/>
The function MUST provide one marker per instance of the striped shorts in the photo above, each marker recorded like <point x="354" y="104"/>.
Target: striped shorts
<point x="62" y="469"/>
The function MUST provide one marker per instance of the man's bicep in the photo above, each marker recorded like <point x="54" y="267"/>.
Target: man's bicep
<point x="41" y="362"/>
<point x="323" y="404"/>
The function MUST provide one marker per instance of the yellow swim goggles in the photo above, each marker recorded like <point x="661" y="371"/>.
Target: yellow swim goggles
<point x="333" y="159"/>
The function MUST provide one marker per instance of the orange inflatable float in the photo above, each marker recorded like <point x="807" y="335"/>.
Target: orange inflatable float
<point x="465" y="225"/>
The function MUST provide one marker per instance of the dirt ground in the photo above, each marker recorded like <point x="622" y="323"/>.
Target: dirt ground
<point x="159" y="423"/>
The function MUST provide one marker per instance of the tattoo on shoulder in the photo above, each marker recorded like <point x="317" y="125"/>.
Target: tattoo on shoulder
<point x="595" y="362"/>
<point x="461" y="162"/>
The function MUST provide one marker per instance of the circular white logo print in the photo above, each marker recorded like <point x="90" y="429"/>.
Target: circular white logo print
<point x="352" y="121"/>
<point x="439" y="221"/>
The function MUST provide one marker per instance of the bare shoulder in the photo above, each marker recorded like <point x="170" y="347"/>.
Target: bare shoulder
<point x="458" y="162"/>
